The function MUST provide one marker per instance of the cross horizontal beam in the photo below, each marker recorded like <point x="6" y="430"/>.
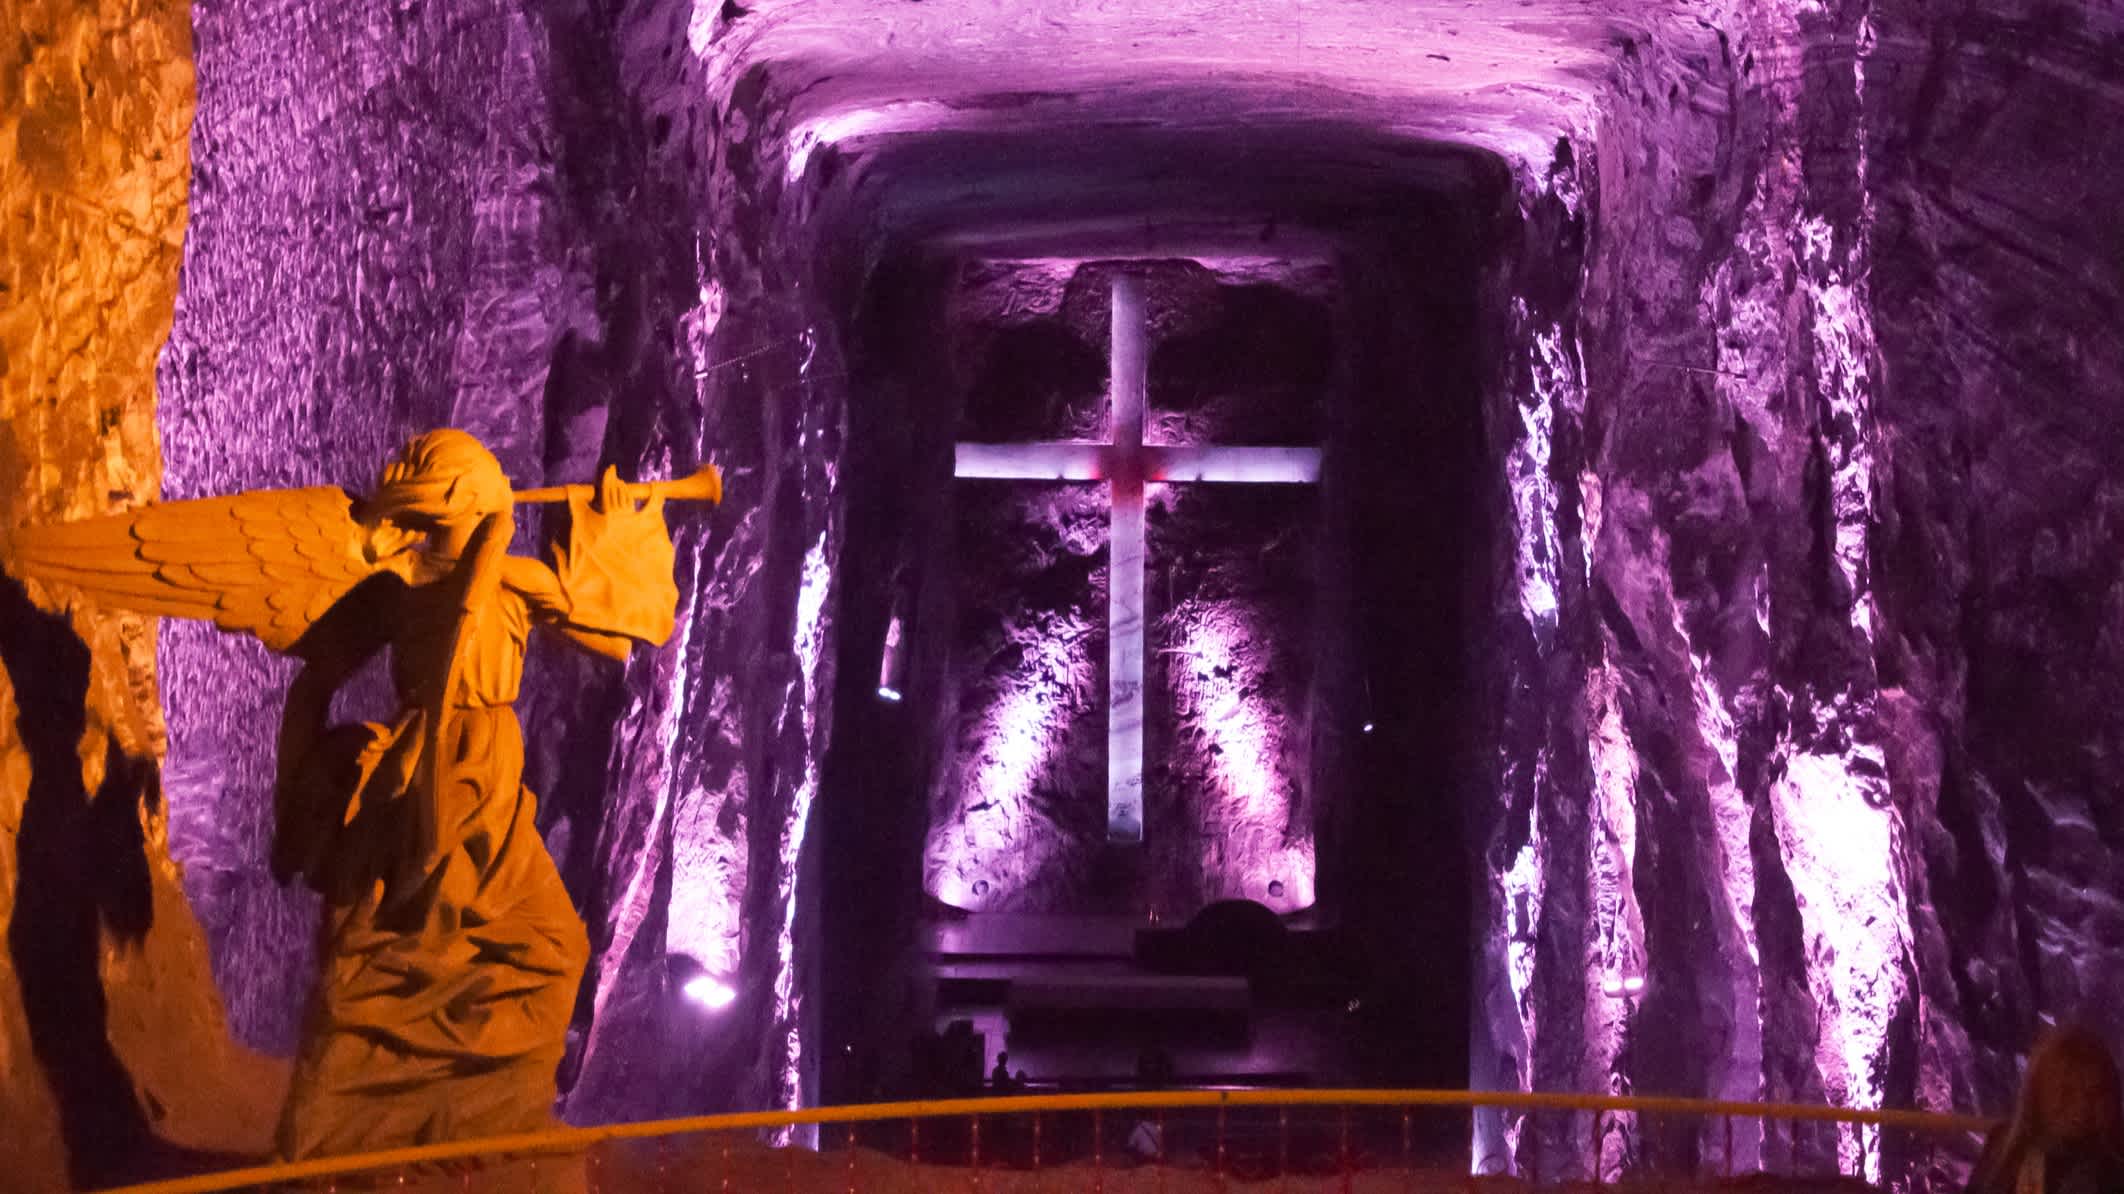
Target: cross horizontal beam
<point x="1064" y="461"/>
<point x="1032" y="462"/>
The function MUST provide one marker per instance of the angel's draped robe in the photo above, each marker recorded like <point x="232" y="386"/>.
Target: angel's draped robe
<point x="449" y="974"/>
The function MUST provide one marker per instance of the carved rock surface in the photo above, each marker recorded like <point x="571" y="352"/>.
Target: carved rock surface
<point x="116" y="1061"/>
<point x="371" y="253"/>
<point x="1834" y="567"/>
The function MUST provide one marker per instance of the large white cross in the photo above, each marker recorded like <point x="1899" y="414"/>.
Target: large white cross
<point x="1126" y="465"/>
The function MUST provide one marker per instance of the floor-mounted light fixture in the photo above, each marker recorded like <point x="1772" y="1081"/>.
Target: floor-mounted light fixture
<point x="1617" y="986"/>
<point x="700" y="987"/>
<point x="709" y="991"/>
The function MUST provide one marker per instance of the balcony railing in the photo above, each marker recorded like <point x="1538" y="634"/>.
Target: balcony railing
<point x="1352" y="1141"/>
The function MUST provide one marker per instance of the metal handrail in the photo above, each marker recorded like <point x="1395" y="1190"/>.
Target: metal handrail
<point x="573" y="1140"/>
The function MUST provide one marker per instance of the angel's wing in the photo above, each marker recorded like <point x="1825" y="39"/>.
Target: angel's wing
<point x="269" y="562"/>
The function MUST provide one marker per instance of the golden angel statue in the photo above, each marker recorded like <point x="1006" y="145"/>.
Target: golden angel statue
<point x="450" y="952"/>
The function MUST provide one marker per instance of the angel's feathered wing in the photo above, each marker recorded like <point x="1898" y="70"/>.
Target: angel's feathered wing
<point x="269" y="562"/>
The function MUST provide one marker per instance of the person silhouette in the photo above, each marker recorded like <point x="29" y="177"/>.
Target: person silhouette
<point x="2067" y="1131"/>
<point x="999" y="1078"/>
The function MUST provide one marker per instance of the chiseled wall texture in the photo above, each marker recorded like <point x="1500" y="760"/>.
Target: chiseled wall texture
<point x="378" y="245"/>
<point x="1815" y="727"/>
<point x="1994" y="141"/>
<point x="115" y="1058"/>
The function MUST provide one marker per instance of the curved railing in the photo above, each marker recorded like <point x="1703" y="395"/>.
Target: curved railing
<point x="1577" y="1139"/>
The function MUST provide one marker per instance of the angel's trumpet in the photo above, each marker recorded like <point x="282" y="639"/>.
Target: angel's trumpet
<point x="704" y="485"/>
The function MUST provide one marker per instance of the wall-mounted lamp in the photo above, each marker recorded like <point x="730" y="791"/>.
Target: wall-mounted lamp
<point x="1615" y="986"/>
<point x="892" y="662"/>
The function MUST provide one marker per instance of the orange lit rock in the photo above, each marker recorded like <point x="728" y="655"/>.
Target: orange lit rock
<point x="115" y="1059"/>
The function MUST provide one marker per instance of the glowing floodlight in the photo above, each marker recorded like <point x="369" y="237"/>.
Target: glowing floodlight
<point x="698" y="984"/>
<point x="709" y="991"/>
<point x="1615" y="986"/>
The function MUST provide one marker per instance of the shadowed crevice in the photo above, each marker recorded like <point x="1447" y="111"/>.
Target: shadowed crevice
<point x="81" y="870"/>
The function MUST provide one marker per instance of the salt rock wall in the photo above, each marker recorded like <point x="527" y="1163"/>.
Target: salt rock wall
<point x="380" y="243"/>
<point x="1993" y="157"/>
<point x="1242" y="622"/>
<point x="1813" y="589"/>
<point x="116" y="1061"/>
<point x="1714" y="852"/>
<point x="704" y="863"/>
<point x="1016" y="817"/>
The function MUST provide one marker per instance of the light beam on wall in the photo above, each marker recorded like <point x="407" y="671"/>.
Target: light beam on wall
<point x="833" y="128"/>
<point x="810" y="643"/>
<point x="1253" y="846"/>
<point x="990" y="847"/>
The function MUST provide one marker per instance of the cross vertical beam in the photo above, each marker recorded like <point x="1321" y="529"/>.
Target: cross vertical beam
<point x="1129" y="372"/>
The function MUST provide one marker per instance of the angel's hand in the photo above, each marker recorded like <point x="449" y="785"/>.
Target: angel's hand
<point x="612" y="493"/>
<point x="615" y="567"/>
<point x="387" y="539"/>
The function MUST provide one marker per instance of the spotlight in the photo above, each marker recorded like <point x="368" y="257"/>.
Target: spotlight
<point x="892" y="662"/>
<point x="697" y="984"/>
<point x="1368" y="727"/>
<point x="1615" y="986"/>
<point x="709" y="991"/>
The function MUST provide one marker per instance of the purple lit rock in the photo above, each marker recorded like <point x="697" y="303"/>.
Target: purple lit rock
<point x="372" y="252"/>
<point x="1809" y="524"/>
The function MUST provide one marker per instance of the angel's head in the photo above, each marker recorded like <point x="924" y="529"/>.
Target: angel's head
<point x="440" y="480"/>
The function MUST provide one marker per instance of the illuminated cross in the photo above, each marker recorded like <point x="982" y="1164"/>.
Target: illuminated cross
<point x="1126" y="465"/>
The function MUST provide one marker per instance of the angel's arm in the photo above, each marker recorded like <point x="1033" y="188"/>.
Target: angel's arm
<point x="541" y="590"/>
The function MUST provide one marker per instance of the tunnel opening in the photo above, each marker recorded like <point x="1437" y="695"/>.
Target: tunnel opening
<point x="1310" y="721"/>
